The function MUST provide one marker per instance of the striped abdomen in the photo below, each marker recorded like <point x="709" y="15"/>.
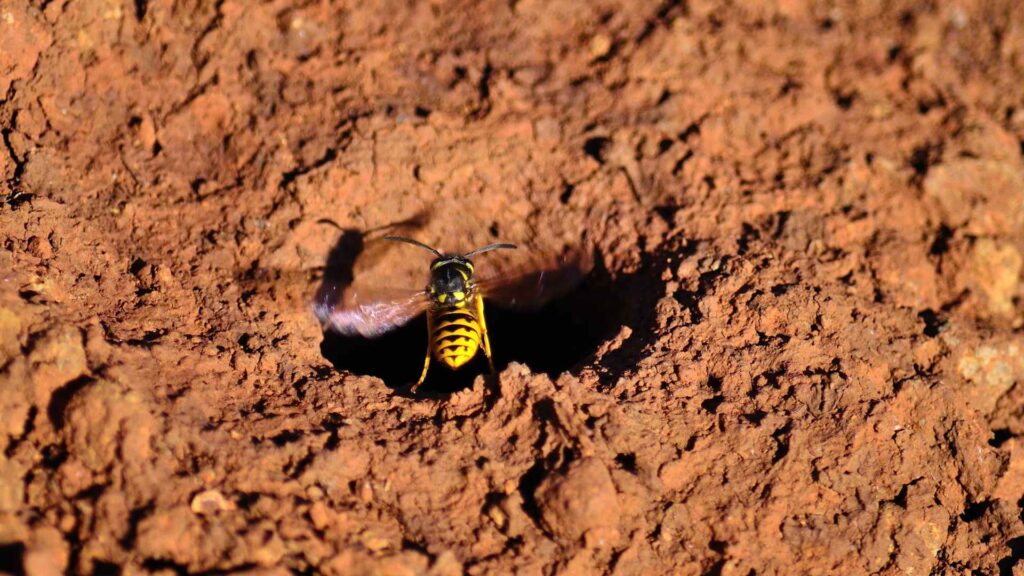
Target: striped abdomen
<point x="455" y="336"/>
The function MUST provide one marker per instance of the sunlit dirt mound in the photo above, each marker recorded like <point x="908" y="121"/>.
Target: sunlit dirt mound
<point x="800" y="350"/>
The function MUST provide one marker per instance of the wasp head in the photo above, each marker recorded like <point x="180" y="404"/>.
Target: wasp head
<point x="451" y="275"/>
<point x="451" y="280"/>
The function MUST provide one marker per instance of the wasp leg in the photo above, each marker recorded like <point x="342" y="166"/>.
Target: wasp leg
<point x="423" y="375"/>
<point x="483" y="331"/>
<point x="430" y="351"/>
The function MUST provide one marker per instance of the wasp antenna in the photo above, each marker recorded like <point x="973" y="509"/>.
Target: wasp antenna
<point x="490" y="247"/>
<point x="434" y="251"/>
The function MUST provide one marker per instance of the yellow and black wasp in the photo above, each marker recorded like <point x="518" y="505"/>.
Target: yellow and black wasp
<point x="453" y="300"/>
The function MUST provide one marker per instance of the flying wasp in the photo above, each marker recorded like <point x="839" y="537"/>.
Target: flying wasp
<point x="453" y="300"/>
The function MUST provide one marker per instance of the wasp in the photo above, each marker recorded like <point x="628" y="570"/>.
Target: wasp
<point x="453" y="300"/>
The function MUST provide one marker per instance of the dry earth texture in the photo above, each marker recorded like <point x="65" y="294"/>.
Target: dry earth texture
<point x="800" y="351"/>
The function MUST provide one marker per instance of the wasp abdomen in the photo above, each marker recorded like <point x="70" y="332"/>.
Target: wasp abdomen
<point x="456" y="337"/>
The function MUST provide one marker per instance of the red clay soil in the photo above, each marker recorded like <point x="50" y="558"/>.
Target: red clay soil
<point x="800" y="351"/>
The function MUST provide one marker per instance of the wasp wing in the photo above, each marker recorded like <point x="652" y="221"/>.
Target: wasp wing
<point x="535" y="280"/>
<point x="365" y="311"/>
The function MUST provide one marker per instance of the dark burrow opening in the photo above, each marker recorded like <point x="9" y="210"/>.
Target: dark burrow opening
<point x="11" y="558"/>
<point x="554" y="339"/>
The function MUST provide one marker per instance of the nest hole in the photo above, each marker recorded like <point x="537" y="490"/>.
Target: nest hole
<point x="11" y="558"/>
<point x="559" y="337"/>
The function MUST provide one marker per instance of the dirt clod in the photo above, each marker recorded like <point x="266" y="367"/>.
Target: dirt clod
<point x="47" y="553"/>
<point x="580" y="501"/>
<point x="210" y="502"/>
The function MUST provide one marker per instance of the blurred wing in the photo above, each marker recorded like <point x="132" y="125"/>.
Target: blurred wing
<point x="535" y="281"/>
<point x="367" y="312"/>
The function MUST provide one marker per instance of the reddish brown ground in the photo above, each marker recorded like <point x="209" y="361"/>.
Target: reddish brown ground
<point x="801" y="350"/>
